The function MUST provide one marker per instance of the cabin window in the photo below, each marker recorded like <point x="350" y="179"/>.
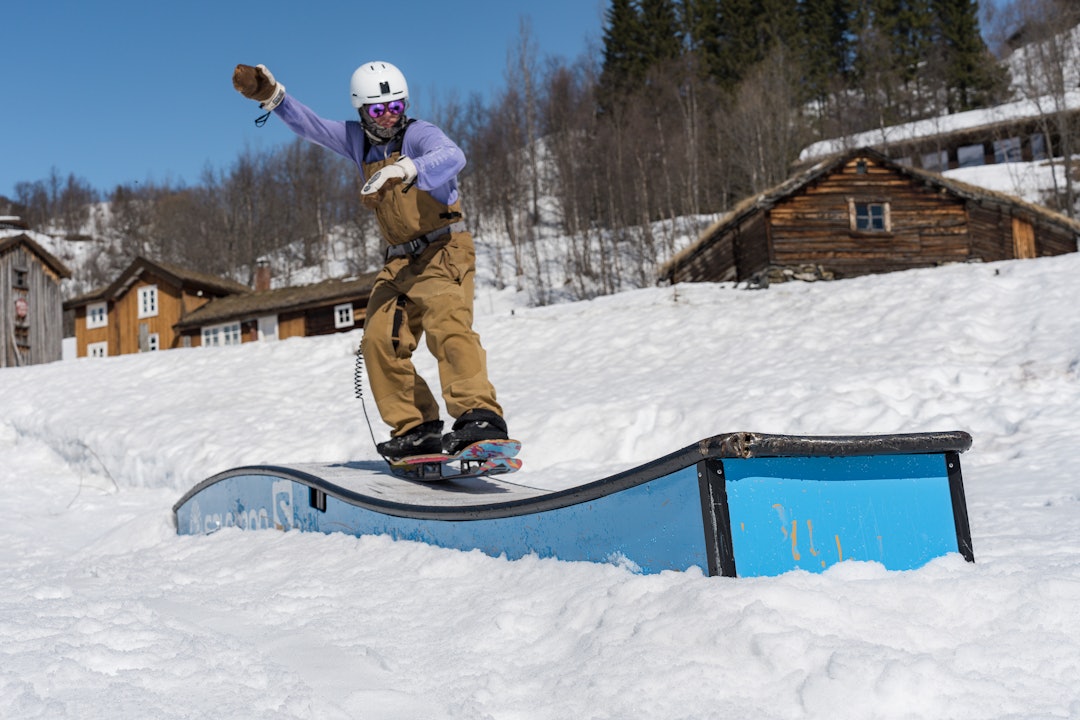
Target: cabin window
<point x="343" y="316"/>
<point x="936" y="161"/>
<point x="1038" y="146"/>
<point x="970" y="156"/>
<point x="860" y="167"/>
<point x="1007" y="150"/>
<point x="20" y="278"/>
<point x="218" y="335"/>
<point x="148" y="301"/>
<point x="97" y="315"/>
<point x="870" y="216"/>
<point x="153" y="342"/>
<point x="97" y="350"/>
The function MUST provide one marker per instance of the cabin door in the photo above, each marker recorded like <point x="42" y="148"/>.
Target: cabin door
<point x="1023" y="239"/>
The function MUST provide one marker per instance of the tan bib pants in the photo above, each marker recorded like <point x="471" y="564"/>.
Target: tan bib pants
<point x="430" y="294"/>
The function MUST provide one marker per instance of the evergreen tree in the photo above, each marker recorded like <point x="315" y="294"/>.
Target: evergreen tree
<point x="625" y="53"/>
<point x="827" y="46"/>
<point x="747" y="30"/>
<point x="701" y="27"/>
<point x="740" y="45"/>
<point x="663" y="38"/>
<point x="971" y="76"/>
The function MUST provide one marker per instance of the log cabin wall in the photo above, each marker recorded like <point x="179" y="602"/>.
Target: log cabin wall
<point x="991" y="233"/>
<point x="860" y="214"/>
<point x="753" y="245"/>
<point x="715" y="261"/>
<point x="923" y="227"/>
<point x="1052" y="240"/>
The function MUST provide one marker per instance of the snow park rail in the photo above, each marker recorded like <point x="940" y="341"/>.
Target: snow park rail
<point x="740" y="504"/>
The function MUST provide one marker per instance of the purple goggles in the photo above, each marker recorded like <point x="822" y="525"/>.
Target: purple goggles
<point x="376" y="110"/>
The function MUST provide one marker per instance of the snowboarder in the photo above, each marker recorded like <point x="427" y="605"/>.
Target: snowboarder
<point x="426" y="284"/>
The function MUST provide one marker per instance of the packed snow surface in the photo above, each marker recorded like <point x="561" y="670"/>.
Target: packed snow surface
<point x="106" y="613"/>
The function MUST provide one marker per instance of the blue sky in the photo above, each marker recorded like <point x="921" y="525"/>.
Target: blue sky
<point x="123" y="91"/>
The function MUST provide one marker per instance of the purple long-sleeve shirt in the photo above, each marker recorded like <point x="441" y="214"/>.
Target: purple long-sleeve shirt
<point x="437" y="158"/>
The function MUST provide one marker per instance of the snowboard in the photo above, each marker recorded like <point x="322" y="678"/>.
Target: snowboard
<point x="487" y="457"/>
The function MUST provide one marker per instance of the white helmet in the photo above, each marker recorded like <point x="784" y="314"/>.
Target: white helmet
<point x="377" y="82"/>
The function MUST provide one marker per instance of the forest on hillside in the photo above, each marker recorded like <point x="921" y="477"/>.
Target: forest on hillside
<point x="687" y="107"/>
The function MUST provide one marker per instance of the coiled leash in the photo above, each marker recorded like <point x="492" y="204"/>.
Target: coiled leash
<point x="358" y="370"/>
<point x="358" y="387"/>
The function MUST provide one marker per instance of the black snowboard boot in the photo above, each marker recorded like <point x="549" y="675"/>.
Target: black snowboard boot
<point x="424" y="439"/>
<point x="474" y="426"/>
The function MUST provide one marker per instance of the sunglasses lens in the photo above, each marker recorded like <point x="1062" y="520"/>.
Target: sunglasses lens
<point x="394" y="107"/>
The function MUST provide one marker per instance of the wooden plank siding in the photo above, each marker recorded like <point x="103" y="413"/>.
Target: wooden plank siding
<point x="1023" y="238"/>
<point x="991" y="233"/>
<point x="30" y="280"/>
<point x="291" y="324"/>
<point x="814" y="227"/>
<point x="180" y="292"/>
<point x="752" y="245"/>
<point x="809" y="221"/>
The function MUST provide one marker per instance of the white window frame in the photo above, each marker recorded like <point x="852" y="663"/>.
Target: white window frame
<point x="97" y="315"/>
<point x="153" y="342"/>
<point x="97" y="349"/>
<point x="148" y="301"/>
<point x="222" y="335"/>
<point x="344" y="316"/>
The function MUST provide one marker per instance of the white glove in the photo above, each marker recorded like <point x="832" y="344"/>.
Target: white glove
<point x="278" y="93"/>
<point x="402" y="171"/>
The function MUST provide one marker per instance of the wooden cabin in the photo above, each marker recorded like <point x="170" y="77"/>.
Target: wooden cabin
<point x="31" y="305"/>
<point x="138" y="311"/>
<point x="859" y="213"/>
<point x="323" y="308"/>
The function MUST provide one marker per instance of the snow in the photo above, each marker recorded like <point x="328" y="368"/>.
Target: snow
<point x="944" y="125"/>
<point x="106" y="613"/>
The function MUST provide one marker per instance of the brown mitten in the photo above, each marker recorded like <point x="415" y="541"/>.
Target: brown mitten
<point x="257" y="83"/>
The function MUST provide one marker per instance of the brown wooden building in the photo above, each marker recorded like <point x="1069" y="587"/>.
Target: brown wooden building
<point x="320" y="309"/>
<point x="858" y="213"/>
<point x="158" y="306"/>
<point x="1020" y="131"/>
<point x="31" y="314"/>
<point x="139" y="310"/>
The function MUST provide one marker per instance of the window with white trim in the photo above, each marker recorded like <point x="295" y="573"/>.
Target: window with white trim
<point x="97" y="315"/>
<point x="153" y="342"/>
<point x="148" y="301"/>
<point x="343" y="316"/>
<point x="219" y="335"/>
<point x="97" y="350"/>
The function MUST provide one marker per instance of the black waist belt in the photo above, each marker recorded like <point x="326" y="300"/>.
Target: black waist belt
<point x="420" y="244"/>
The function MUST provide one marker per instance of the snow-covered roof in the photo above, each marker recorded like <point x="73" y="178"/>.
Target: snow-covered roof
<point x="944" y="125"/>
